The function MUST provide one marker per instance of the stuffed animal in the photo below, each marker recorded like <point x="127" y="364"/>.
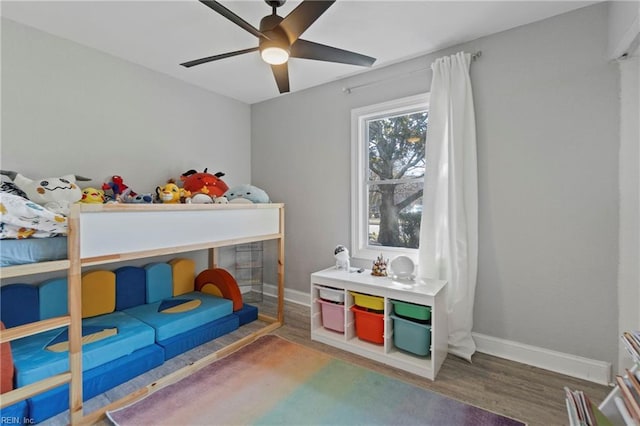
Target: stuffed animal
<point x="54" y="193"/>
<point x="126" y="197"/>
<point x="92" y="196"/>
<point x="342" y="258"/>
<point x="171" y="193"/>
<point x="117" y="186"/>
<point x="246" y="194"/>
<point x="199" y="198"/>
<point x="204" y="182"/>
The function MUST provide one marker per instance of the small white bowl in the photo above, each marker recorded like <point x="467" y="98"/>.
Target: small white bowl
<point x="402" y="267"/>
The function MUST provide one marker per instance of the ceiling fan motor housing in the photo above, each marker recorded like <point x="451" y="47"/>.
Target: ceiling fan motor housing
<point x="277" y="37"/>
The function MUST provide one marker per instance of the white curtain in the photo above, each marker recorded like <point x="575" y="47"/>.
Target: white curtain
<point x="449" y="227"/>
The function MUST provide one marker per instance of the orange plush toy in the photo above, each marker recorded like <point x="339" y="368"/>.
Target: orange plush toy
<point x="204" y="182"/>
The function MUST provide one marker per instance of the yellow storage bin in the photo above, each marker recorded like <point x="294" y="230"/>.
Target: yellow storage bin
<point x="366" y="301"/>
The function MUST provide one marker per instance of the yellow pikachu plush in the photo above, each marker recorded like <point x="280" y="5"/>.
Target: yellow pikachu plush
<point x="92" y="196"/>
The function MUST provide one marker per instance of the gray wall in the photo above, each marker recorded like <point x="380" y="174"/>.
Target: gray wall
<point x="547" y="113"/>
<point x="67" y="108"/>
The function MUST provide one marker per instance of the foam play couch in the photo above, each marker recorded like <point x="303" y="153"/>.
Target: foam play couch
<point x="134" y="318"/>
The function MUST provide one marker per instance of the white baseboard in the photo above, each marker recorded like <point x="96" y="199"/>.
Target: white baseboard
<point x="559" y="362"/>
<point x="295" y="296"/>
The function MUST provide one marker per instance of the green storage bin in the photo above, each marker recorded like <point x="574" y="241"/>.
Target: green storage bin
<point x="411" y="310"/>
<point x="411" y="336"/>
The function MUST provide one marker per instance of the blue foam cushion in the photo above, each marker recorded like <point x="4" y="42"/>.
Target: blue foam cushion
<point x="159" y="282"/>
<point x="53" y="294"/>
<point x="34" y="362"/>
<point x="96" y="381"/>
<point x="20" y="304"/>
<point x="169" y="325"/>
<point x="247" y="314"/>
<point x="190" y="339"/>
<point x="16" y="414"/>
<point x="131" y="287"/>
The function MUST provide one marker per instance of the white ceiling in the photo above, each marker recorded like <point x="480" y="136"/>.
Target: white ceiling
<point x="162" y="34"/>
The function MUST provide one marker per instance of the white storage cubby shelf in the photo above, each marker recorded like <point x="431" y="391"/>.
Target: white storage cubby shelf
<point x="608" y="406"/>
<point x="430" y="293"/>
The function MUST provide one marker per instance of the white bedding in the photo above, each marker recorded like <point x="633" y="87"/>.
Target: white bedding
<point x="21" y="218"/>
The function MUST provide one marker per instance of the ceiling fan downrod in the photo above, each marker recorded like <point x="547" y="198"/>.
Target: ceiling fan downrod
<point x="274" y="4"/>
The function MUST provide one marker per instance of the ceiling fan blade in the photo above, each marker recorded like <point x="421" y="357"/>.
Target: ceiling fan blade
<point x="281" y="73"/>
<point x="233" y="17"/>
<point x="301" y="18"/>
<point x="216" y="57"/>
<point x="309" y="50"/>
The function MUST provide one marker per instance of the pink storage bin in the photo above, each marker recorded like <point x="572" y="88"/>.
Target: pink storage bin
<point x="332" y="315"/>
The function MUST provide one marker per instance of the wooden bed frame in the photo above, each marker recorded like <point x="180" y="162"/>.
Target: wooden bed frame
<point x="107" y="233"/>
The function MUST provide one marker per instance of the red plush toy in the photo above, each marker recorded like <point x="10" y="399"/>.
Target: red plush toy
<point x="204" y="182"/>
<point x="116" y="184"/>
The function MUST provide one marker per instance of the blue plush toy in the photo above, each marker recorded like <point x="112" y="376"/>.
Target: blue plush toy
<point x="126" y="197"/>
<point x="246" y="194"/>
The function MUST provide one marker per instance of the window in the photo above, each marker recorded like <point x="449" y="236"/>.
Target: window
<point x="388" y="152"/>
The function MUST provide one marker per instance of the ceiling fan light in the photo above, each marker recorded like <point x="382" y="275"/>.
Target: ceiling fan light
<point x="274" y="55"/>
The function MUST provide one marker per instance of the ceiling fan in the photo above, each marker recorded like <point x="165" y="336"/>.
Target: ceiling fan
<point x="278" y="39"/>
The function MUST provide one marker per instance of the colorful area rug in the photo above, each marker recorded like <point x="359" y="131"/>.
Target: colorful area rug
<point x="275" y="382"/>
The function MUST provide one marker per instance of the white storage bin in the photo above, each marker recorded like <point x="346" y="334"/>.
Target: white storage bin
<point x="331" y="294"/>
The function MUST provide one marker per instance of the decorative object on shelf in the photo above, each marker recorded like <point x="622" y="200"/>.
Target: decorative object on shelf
<point x="54" y="193"/>
<point x="128" y="196"/>
<point x="342" y="258"/>
<point x="116" y="187"/>
<point x="92" y="196"/>
<point x="199" y="198"/>
<point x="205" y="182"/>
<point x="379" y="268"/>
<point x="402" y="268"/>
<point x="171" y="193"/>
<point x="246" y="193"/>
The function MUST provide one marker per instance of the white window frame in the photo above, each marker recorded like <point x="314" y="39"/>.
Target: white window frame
<point x="360" y="248"/>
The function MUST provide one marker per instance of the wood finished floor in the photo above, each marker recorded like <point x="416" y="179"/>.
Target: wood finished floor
<point x="526" y="393"/>
<point x="529" y="394"/>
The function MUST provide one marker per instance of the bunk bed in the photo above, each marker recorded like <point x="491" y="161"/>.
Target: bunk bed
<point x="102" y="234"/>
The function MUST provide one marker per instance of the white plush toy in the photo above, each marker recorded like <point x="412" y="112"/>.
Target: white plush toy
<point x="54" y="193"/>
<point x="199" y="198"/>
<point x="342" y="258"/>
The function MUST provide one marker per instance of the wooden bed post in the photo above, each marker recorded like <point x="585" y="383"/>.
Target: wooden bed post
<point x="74" y="294"/>
<point x="213" y="257"/>
<point x="281" y="269"/>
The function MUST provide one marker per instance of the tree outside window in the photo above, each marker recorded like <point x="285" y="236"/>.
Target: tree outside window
<point x="396" y="178"/>
<point x="388" y="148"/>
